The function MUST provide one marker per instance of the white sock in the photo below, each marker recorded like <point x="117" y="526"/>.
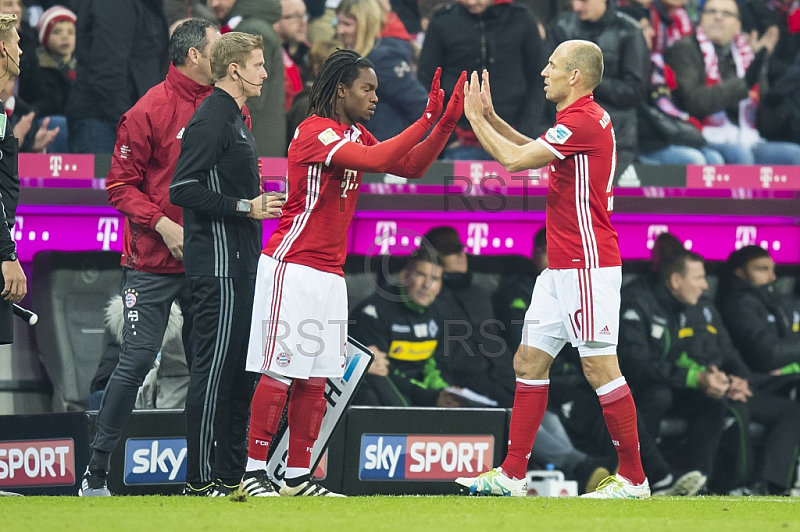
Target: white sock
<point x="294" y="472"/>
<point x="255" y="465"/>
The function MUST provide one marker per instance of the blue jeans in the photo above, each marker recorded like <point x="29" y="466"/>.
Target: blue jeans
<point x="674" y="154"/>
<point x="767" y="152"/>
<point x="60" y="143"/>
<point x="91" y="135"/>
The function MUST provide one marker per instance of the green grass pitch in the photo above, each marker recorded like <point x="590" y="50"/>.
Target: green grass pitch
<point x="407" y="514"/>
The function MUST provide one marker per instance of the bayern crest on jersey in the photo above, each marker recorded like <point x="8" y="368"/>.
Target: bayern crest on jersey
<point x="283" y="359"/>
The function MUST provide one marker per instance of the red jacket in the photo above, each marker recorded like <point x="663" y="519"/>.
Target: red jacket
<point x="147" y="149"/>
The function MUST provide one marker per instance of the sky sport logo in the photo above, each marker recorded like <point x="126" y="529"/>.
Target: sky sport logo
<point x="155" y="461"/>
<point x="423" y="457"/>
<point x="37" y="463"/>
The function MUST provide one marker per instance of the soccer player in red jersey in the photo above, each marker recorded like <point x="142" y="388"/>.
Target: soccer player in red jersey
<point x="577" y="297"/>
<point x="299" y="326"/>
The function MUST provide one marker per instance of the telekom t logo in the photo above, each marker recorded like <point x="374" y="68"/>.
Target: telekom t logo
<point x="652" y="233"/>
<point x="19" y="223"/>
<point x="385" y="235"/>
<point x="56" y="165"/>
<point x="477" y="237"/>
<point x="107" y="231"/>
<point x="745" y="236"/>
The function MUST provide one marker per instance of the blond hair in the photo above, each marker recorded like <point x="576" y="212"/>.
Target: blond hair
<point x="369" y="16"/>
<point x="233" y="47"/>
<point x="7" y="23"/>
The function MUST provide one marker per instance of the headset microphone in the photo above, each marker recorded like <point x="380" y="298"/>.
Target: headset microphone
<point x="248" y="82"/>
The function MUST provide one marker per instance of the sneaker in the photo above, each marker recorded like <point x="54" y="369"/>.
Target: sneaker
<point x="309" y="488"/>
<point x="94" y="484"/>
<point x="687" y="485"/>
<point x="617" y="487"/>
<point x="494" y="482"/>
<point x="215" y="489"/>
<point x="257" y="484"/>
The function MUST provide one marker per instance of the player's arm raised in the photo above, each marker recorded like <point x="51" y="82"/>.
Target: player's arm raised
<point x="500" y="125"/>
<point x="514" y="157"/>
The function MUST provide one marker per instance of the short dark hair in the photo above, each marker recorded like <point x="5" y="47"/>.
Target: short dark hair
<point x="678" y="263"/>
<point x="444" y="239"/>
<point x="665" y="247"/>
<point x="342" y="67"/>
<point x="540" y="239"/>
<point x="741" y="257"/>
<point x="190" y="34"/>
<point x="423" y="253"/>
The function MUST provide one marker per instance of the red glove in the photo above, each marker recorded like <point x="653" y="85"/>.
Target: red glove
<point x="435" y="101"/>
<point x="456" y="105"/>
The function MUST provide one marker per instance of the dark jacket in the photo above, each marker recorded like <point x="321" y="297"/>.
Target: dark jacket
<point x="626" y="66"/>
<point x="401" y="97"/>
<point x="504" y="40"/>
<point x="765" y="327"/>
<point x="268" y="111"/>
<point x="9" y="185"/>
<point x="410" y="335"/>
<point x="144" y="159"/>
<point x="121" y="52"/>
<point x="510" y="302"/>
<point x="52" y="86"/>
<point x="663" y="341"/>
<point x="474" y="355"/>
<point x="692" y="94"/>
<point x="217" y="167"/>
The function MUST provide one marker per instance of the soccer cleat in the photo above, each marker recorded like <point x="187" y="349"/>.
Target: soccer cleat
<point x="687" y="485"/>
<point x="494" y="482"/>
<point x="617" y="487"/>
<point x="309" y="488"/>
<point x="215" y="489"/>
<point x="94" y="484"/>
<point x="257" y="484"/>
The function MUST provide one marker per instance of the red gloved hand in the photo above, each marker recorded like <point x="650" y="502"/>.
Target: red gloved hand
<point x="455" y="108"/>
<point x="435" y="100"/>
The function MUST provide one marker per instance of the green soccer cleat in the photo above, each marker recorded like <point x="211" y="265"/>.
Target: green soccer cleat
<point x="617" y="487"/>
<point x="494" y="482"/>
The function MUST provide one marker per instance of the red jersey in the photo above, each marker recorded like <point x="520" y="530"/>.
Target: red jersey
<point x="320" y="197"/>
<point x="580" y="197"/>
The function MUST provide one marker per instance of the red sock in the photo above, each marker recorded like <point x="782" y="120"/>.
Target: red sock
<point x="530" y="402"/>
<point x="307" y="405"/>
<point x="620" y="414"/>
<point x="266" y="409"/>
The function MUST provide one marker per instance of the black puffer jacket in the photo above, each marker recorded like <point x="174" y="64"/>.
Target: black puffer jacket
<point x="626" y="61"/>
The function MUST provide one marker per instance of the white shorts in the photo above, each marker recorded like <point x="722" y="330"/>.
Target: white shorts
<point x="299" y="324"/>
<point x="579" y="305"/>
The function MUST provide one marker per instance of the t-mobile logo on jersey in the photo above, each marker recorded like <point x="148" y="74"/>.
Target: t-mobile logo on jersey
<point x="477" y="237"/>
<point x="349" y="181"/>
<point x="107" y="231"/>
<point x="745" y="236"/>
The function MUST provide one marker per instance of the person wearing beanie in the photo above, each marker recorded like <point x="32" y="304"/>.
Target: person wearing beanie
<point x="56" y="30"/>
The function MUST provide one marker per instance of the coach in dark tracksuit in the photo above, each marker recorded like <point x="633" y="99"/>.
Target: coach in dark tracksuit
<point x="217" y="168"/>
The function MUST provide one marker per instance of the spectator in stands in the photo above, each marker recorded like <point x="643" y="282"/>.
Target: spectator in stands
<point x="121" y="53"/>
<point x="474" y="355"/>
<point x="221" y="10"/>
<point x="360" y="26"/>
<point x="495" y="35"/>
<point x="56" y="73"/>
<point x="779" y="108"/>
<point x="625" y="56"/>
<point x="764" y="325"/>
<point x="21" y="117"/>
<point x="292" y="31"/>
<point x="405" y="328"/>
<point x="319" y="52"/>
<point x="666" y="134"/>
<point x="267" y="111"/>
<point x="180" y="10"/>
<point x="718" y="74"/>
<point x="148" y="144"/>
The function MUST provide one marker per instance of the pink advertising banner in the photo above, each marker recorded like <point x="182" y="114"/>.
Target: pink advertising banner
<point x="741" y="176"/>
<point x="65" y="228"/>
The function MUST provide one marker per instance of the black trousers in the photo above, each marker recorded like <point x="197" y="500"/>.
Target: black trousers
<point x="738" y="464"/>
<point x="218" y="401"/>
<point x="146" y="300"/>
<point x="705" y="417"/>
